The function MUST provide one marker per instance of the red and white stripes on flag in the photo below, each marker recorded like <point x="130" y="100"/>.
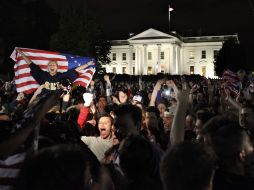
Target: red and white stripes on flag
<point x="9" y="170"/>
<point x="23" y="78"/>
<point x="232" y="81"/>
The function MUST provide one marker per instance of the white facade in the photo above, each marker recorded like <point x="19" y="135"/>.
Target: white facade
<point x="152" y="51"/>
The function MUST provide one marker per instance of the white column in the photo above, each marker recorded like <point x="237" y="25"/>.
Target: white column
<point x="168" y="64"/>
<point x="140" y="61"/>
<point x="136" y="61"/>
<point x="159" y="58"/>
<point x="130" y="59"/>
<point x="144" y="59"/>
<point x="177" y="60"/>
<point x="181" y="62"/>
<point x="173" y="64"/>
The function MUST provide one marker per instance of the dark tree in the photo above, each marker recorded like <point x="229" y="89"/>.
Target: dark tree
<point x="79" y="34"/>
<point x="26" y="23"/>
<point x="231" y="56"/>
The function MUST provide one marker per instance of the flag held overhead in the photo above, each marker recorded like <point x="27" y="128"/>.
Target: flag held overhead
<point x="26" y="83"/>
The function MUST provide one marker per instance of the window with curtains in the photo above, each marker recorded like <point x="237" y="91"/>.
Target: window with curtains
<point x="162" y="55"/>
<point x="124" y="56"/>
<point x="113" y="69"/>
<point x="191" y="55"/>
<point x="149" y="55"/>
<point x="203" y="71"/>
<point x="113" y="56"/>
<point x="203" y="54"/>
<point x="215" y="53"/>
<point x="149" y="70"/>
<point x="192" y="70"/>
<point x="123" y="70"/>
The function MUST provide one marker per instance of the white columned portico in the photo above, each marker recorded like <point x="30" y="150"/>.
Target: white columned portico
<point x="179" y="53"/>
<point x="159" y="58"/>
<point x="131" y="60"/>
<point x="144" y="59"/>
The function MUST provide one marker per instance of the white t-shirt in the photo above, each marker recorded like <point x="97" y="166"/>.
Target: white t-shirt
<point x="98" y="145"/>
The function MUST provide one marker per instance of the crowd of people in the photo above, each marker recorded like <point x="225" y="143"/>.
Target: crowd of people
<point x="128" y="132"/>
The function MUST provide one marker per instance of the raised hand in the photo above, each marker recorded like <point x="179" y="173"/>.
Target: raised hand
<point x="158" y="84"/>
<point x="90" y="63"/>
<point x="182" y="95"/>
<point x="115" y="100"/>
<point x="171" y="84"/>
<point x="92" y="83"/>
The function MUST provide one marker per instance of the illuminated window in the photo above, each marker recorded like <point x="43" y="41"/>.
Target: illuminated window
<point x="124" y="56"/>
<point x="203" y="71"/>
<point x="162" y="55"/>
<point x="123" y="70"/>
<point x="149" y="55"/>
<point x="113" y="56"/>
<point x="203" y="54"/>
<point x="114" y="70"/>
<point x="191" y="55"/>
<point x="215" y="53"/>
<point x="133" y="56"/>
<point x="150" y="71"/>
<point x="191" y="70"/>
<point x="162" y="69"/>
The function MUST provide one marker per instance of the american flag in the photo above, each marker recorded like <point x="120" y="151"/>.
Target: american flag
<point x="10" y="166"/>
<point x="27" y="84"/>
<point x="231" y="81"/>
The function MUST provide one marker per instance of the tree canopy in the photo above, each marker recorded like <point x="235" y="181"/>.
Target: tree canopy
<point x="231" y="56"/>
<point x="79" y="34"/>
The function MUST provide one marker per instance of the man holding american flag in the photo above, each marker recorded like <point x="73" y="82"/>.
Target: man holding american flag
<point x="37" y="67"/>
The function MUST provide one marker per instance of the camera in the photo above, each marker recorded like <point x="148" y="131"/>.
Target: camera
<point x="166" y="92"/>
<point x="65" y="85"/>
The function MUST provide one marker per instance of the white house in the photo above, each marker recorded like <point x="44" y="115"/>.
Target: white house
<point x="152" y="51"/>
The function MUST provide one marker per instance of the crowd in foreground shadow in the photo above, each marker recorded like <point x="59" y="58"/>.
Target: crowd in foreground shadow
<point x="129" y="132"/>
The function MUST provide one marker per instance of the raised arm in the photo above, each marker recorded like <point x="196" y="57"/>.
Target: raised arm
<point x="8" y="146"/>
<point x="90" y="63"/>
<point x="36" y="93"/>
<point x="178" y="125"/>
<point x="156" y="89"/>
<point x="108" y="88"/>
<point x="28" y="61"/>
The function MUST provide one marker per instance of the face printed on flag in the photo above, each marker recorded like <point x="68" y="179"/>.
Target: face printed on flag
<point x="27" y="84"/>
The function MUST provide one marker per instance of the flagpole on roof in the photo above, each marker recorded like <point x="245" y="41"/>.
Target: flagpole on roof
<point x="169" y="10"/>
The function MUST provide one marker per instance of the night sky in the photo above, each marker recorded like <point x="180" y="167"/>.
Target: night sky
<point x="121" y="17"/>
<point x="189" y="18"/>
<point x="209" y="16"/>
